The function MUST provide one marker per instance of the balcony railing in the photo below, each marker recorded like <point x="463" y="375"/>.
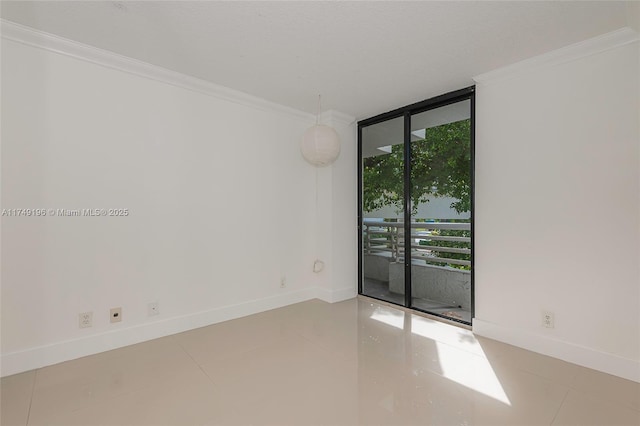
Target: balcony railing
<point x="387" y="239"/>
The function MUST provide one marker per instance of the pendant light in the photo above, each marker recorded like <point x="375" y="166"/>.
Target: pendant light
<point x="320" y="144"/>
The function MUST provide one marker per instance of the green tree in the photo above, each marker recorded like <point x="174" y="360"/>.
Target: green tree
<point x="441" y="166"/>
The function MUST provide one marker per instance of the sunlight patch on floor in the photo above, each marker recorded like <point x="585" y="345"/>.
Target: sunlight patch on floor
<point x="469" y="369"/>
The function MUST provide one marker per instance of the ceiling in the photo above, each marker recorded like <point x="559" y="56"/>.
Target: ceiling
<point x="363" y="57"/>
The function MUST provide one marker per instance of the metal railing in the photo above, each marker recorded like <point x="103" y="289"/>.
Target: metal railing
<point x="387" y="238"/>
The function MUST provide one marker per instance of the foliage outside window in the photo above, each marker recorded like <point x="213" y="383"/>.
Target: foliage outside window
<point x="440" y="167"/>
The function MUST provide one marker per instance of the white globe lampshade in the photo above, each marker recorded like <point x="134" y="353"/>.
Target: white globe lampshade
<point x="320" y="145"/>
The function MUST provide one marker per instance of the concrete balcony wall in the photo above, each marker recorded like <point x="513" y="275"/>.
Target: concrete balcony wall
<point x="438" y="283"/>
<point x="376" y="266"/>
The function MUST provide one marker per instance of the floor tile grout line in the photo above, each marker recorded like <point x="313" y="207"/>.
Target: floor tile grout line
<point x="581" y="390"/>
<point x="196" y="363"/>
<point x="293" y="333"/>
<point x="540" y="376"/>
<point x="213" y="382"/>
<point x="90" y="404"/>
<point x="560" y="406"/>
<point x="33" y="389"/>
<point x="311" y="340"/>
<point x="321" y="335"/>
<point x="603" y="399"/>
<point x="107" y="398"/>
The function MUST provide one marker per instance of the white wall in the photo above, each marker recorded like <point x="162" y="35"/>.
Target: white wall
<point x="633" y="15"/>
<point x="337" y="222"/>
<point x="344" y="232"/>
<point x="558" y="204"/>
<point x="221" y="207"/>
<point x="195" y="170"/>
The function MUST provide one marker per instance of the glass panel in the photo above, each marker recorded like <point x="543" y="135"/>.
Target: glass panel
<point x="441" y="211"/>
<point x="383" y="212"/>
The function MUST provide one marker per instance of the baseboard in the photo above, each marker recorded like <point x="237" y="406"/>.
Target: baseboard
<point x="587" y="357"/>
<point x="17" y="362"/>
<point x="333" y="296"/>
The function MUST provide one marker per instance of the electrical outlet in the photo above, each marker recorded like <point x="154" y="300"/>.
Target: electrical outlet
<point x="548" y="319"/>
<point x="85" y="319"/>
<point x="283" y="281"/>
<point x="153" y="308"/>
<point x="116" y="315"/>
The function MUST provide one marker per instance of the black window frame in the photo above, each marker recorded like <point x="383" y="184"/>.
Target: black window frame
<point x="467" y="93"/>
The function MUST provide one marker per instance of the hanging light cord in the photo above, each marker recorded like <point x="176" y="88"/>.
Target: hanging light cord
<point x="316" y="210"/>
<point x="318" y="114"/>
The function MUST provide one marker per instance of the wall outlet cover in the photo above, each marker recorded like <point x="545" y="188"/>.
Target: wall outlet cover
<point x="85" y="319"/>
<point x="153" y="308"/>
<point x="548" y="319"/>
<point x="116" y="315"/>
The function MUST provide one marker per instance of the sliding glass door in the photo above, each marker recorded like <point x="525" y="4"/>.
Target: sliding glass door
<point x="441" y="211"/>
<point x="382" y="177"/>
<point x="416" y="206"/>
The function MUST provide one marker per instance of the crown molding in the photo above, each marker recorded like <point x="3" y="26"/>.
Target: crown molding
<point x="32" y="37"/>
<point x="572" y="52"/>
<point x="337" y="117"/>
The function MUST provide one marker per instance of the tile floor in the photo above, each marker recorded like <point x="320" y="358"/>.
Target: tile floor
<point x="313" y="363"/>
